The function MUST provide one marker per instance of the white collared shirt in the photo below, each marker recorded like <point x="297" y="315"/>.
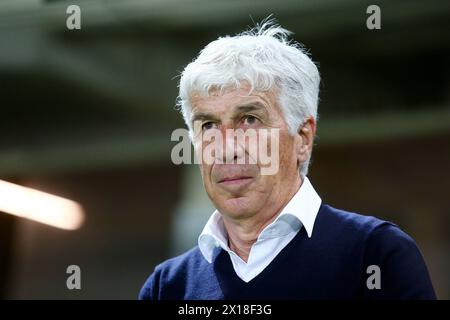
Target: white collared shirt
<point x="300" y="211"/>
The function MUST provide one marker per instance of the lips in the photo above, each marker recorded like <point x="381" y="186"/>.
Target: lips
<point x="236" y="185"/>
<point x="234" y="179"/>
<point x="233" y="172"/>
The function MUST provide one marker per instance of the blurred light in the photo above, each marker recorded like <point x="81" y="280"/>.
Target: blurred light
<point x="40" y="206"/>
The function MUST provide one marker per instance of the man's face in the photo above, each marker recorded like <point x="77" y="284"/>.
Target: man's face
<point x="235" y="184"/>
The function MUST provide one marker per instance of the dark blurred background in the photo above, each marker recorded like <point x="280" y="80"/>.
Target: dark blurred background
<point x="87" y="115"/>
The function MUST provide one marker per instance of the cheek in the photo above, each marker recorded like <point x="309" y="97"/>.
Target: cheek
<point x="265" y="183"/>
<point x="288" y="156"/>
<point x="206" y="173"/>
<point x="210" y="187"/>
<point x="198" y="148"/>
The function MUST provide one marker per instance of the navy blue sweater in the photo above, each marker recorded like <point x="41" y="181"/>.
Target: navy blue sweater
<point x="332" y="264"/>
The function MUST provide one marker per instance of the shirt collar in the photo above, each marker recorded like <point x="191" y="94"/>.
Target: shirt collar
<point x="301" y="210"/>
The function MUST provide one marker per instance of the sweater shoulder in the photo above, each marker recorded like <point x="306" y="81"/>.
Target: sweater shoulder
<point x="189" y="259"/>
<point x="348" y="222"/>
<point x="172" y="271"/>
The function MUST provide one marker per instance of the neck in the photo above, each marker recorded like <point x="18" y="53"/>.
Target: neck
<point x="243" y="233"/>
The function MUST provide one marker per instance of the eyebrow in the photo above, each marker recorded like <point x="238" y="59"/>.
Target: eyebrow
<point x="202" y="116"/>
<point x="246" y="108"/>
<point x="253" y="106"/>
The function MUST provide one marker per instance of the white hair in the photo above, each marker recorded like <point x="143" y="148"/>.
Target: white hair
<point x="264" y="58"/>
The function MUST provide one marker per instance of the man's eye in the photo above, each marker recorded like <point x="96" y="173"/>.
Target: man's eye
<point x="250" y="120"/>
<point x="208" y="125"/>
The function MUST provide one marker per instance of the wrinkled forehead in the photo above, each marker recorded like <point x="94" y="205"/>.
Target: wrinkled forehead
<point x="226" y="99"/>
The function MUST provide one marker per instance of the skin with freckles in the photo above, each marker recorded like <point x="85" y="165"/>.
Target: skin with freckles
<point x="248" y="200"/>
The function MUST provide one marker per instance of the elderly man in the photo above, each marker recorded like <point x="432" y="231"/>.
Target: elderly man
<point x="271" y="236"/>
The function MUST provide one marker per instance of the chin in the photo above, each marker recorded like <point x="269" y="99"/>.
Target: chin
<point x="239" y="207"/>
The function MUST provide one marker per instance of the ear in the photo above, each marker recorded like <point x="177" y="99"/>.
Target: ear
<point x="305" y="140"/>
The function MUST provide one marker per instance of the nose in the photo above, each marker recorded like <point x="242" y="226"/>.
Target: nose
<point x="231" y="149"/>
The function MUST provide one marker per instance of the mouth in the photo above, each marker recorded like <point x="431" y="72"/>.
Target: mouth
<point x="235" y="180"/>
<point x="236" y="185"/>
